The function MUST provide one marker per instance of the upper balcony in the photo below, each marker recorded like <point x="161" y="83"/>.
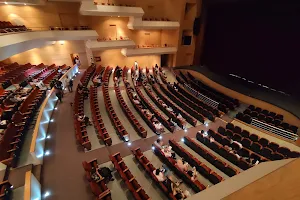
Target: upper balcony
<point x="90" y="8"/>
<point x="137" y="23"/>
<point x="141" y="50"/>
<point x="135" y="14"/>
<point x="109" y="43"/>
<point x="12" y="43"/>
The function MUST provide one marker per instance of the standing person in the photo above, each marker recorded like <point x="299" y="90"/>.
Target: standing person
<point x="70" y="86"/>
<point x="58" y="94"/>
<point x="66" y="83"/>
<point x="135" y="65"/>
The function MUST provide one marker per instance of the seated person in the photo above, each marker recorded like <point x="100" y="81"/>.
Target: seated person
<point x="167" y="151"/>
<point x="17" y="98"/>
<point x="159" y="143"/>
<point x="169" y="109"/>
<point x="236" y="142"/>
<point x="178" y="116"/>
<point x="159" y="175"/>
<point x="85" y="119"/>
<point x="228" y="148"/>
<point x="182" y="165"/>
<point x="158" y="126"/>
<point x="106" y="173"/>
<point x="211" y="139"/>
<point x="193" y="173"/>
<point x="253" y="161"/>
<point x="235" y="153"/>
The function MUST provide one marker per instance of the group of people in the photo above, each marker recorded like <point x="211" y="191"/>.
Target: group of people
<point x="59" y="87"/>
<point x="250" y="160"/>
<point x="82" y="90"/>
<point x="84" y="119"/>
<point x="162" y="173"/>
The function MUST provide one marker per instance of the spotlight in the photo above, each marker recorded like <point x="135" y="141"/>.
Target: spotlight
<point x="129" y="143"/>
<point x="5" y="2"/>
<point x="160" y="137"/>
<point x="78" y="72"/>
<point x="47" y="194"/>
<point x="25" y="4"/>
<point x="47" y="153"/>
<point x="52" y="120"/>
<point x="49" y="136"/>
<point x="182" y="139"/>
<point x="206" y="124"/>
<point x="185" y="130"/>
<point x="11" y="186"/>
<point x="205" y="134"/>
<point x="160" y="124"/>
<point x="118" y="16"/>
<point x="55" y="108"/>
<point x="153" y="147"/>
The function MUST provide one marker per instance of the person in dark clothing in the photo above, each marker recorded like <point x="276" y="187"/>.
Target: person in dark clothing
<point x="70" y="86"/>
<point x="106" y="173"/>
<point x="58" y="94"/>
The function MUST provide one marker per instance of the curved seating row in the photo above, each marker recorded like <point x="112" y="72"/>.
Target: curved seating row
<point x="222" y="141"/>
<point x="122" y="133"/>
<point x="137" y="191"/>
<point x="205" y="171"/>
<point x="170" y="114"/>
<point x="196" y="101"/>
<point x="258" y="144"/>
<point x="149" y="168"/>
<point x="186" y="107"/>
<point x="21" y="115"/>
<point x="171" y="163"/>
<point x="224" y="167"/>
<point x="130" y="116"/>
<point x="129" y="91"/>
<point x="80" y="127"/>
<point x="156" y="113"/>
<point x="270" y="127"/>
<point x="98" y="186"/>
<point x="97" y="119"/>
<point x="206" y="113"/>
<point x="218" y="96"/>
<point x="269" y="118"/>
<point x="98" y="72"/>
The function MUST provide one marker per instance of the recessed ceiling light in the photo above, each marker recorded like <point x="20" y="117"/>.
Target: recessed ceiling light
<point x="5" y="2"/>
<point x="25" y="4"/>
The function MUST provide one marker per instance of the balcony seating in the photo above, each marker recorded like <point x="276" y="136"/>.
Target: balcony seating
<point x="123" y="134"/>
<point x="61" y="28"/>
<point x="258" y="144"/>
<point x="97" y="119"/>
<point x="8" y="27"/>
<point x="224" y="167"/>
<point x="155" y="100"/>
<point x="156" y="113"/>
<point x="149" y="168"/>
<point x="130" y="116"/>
<point x="270" y="118"/>
<point x="274" y="126"/>
<point x="137" y="191"/>
<point x="5" y="190"/>
<point x="195" y="185"/>
<point x="199" y="109"/>
<point x="98" y="186"/>
<point x="205" y="171"/>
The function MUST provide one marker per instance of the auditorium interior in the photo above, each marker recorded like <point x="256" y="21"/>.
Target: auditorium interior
<point x="149" y="99"/>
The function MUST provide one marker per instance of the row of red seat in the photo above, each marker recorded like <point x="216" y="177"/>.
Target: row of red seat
<point x="14" y="135"/>
<point x="199" y="109"/>
<point x="183" y="105"/>
<point x="130" y="116"/>
<point x="196" y="101"/>
<point x="98" y="72"/>
<point x="149" y="168"/>
<point x="121" y="131"/>
<point x="224" y="167"/>
<point x="129" y="91"/>
<point x="80" y="127"/>
<point x="219" y="147"/>
<point x="156" y="113"/>
<point x="137" y="191"/>
<point x="171" y="104"/>
<point x="205" y="171"/>
<point x="98" y="187"/>
<point x="97" y="119"/>
<point x="171" y="163"/>
<point x="159" y="105"/>
<point x="6" y="27"/>
<point x="258" y="144"/>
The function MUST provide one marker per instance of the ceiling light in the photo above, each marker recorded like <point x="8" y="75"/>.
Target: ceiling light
<point x="25" y="4"/>
<point x="5" y="2"/>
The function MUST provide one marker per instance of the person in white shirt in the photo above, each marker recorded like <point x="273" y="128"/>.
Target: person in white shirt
<point x="211" y="139"/>
<point x="178" y="116"/>
<point x="169" y="109"/>
<point x="239" y="144"/>
<point x="159" y="175"/>
<point x="182" y="165"/>
<point x="159" y="143"/>
<point x="158" y="126"/>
